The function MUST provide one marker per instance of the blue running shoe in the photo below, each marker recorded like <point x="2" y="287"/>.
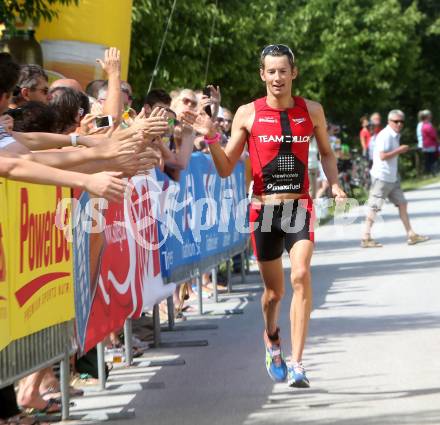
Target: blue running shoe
<point x="275" y="364"/>
<point x="297" y="375"/>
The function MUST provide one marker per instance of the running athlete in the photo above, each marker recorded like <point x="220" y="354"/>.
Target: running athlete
<point x="278" y="129"/>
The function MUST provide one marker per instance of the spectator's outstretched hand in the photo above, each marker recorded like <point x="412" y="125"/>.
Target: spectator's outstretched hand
<point x="114" y="147"/>
<point x="106" y="185"/>
<point x="86" y="127"/>
<point x="200" y="122"/>
<point x="132" y="164"/>
<point x="112" y="61"/>
<point x="154" y="126"/>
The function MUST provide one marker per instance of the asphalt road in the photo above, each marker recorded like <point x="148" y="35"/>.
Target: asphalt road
<point x="373" y="354"/>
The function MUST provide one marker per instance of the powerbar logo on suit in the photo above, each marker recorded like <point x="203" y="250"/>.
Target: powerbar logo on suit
<point x="284" y="139"/>
<point x="270" y="120"/>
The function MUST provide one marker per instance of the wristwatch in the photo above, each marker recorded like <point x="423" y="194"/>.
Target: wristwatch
<point x="74" y="139"/>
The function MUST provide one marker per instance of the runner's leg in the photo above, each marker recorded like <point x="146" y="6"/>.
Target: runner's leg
<point x="301" y="305"/>
<point x="273" y="279"/>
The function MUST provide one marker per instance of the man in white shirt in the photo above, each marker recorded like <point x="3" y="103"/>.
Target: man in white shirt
<point x="385" y="180"/>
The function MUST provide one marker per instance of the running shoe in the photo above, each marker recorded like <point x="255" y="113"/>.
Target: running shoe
<point x="275" y="364"/>
<point x="297" y="375"/>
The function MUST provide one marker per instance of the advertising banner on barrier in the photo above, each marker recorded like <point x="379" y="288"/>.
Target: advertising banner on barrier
<point x="5" y="333"/>
<point x="41" y="293"/>
<point x="120" y="251"/>
<point x="177" y="217"/>
<point x="207" y="218"/>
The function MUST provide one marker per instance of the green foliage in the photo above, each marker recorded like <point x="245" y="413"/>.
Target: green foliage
<point x="29" y="10"/>
<point x="353" y="56"/>
<point x="241" y="29"/>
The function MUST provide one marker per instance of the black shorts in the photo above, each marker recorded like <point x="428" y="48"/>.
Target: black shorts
<point x="278" y="227"/>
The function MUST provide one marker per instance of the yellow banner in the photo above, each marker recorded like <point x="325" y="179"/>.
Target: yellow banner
<point x="80" y="34"/>
<point x="5" y="334"/>
<point x="40" y="259"/>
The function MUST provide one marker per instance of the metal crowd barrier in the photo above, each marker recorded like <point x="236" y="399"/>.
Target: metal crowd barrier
<point x="179" y="276"/>
<point x="38" y="351"/>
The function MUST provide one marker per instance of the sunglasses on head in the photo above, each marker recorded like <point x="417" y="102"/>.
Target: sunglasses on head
<point x="282" y="48"/>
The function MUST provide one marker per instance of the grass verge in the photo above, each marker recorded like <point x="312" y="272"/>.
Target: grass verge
<point x="417" y="184"/>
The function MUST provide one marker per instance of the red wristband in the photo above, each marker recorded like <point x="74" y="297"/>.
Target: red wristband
<point x="215" y="139"/>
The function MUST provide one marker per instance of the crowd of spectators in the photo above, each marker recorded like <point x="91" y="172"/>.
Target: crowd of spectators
<point x="92" y="138"/>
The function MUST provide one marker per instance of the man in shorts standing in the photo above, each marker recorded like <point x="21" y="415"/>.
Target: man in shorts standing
<point x="385" y="180"/>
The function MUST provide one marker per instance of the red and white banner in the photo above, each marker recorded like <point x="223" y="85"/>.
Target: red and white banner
<point x="125" y="274"/>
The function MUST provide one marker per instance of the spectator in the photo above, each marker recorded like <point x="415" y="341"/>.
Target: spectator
<point x="376" y="127"/>
<point x="127" y="95"/>
<point x="430" y="143"/>
<point x="227" y="122"/>
<point x="66" y="103"/>
<point x="156" y="98"/>
<point x="386" y="182"/>
<point x="364" y="136"/>
<point x="92" y="89"/>
<point x="184" y="100"/>
<point x="33" y="116"/>
<point x="67" y="82"/>
<point x="32" y="85"/>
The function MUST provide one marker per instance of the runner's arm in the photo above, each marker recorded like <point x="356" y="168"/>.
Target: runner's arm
<point x="226" y="159"/>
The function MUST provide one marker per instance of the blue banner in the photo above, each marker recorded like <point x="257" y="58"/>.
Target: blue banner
<point x="201" y="215"/>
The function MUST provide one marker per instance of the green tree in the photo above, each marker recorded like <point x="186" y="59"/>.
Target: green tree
<point x="353" y="57"/>
<point x="241" y="29"/>
<point x="29" y="11"/>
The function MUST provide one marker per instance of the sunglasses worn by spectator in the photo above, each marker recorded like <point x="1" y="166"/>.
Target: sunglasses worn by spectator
<point x="189" y="102"/>
<point x="398" y="121"/>
<point x="43" y="90"/>
<point x="129" y="95"/>
<point x="282" y="48"/>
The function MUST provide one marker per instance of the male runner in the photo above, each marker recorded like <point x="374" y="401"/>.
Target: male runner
<point x="278" y="129"/>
